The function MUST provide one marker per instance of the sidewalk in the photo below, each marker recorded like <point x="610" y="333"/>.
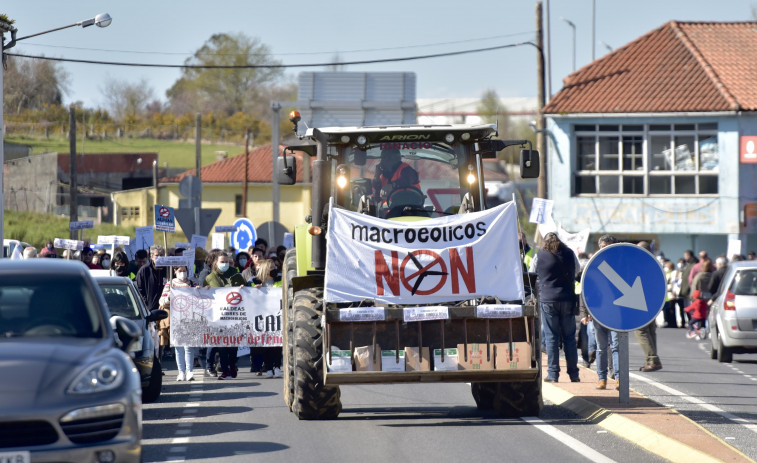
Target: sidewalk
<point x="652" y="426"/>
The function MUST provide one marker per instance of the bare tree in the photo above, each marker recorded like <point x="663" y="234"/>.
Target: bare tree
<point x="32" y="84"/>
<point x="492" y="111"/>
<point x="126" y="101"/>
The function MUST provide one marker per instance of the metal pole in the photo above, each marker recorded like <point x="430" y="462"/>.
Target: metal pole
<point x="198" y="166"/>
<point x="2" y="145"/>
<point x="275" y="142"/>
<point x="593" y="28"/>
<point x="623" y="397"/>
<point x="73" y="211"/>
<point x="540" y="142"/>
<point x="246" y="166"/>
<point x="548" y="53"/>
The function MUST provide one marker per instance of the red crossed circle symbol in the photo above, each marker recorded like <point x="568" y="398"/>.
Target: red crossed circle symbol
<point x="234" y="298"/>
<point x="164" y="212"/>
<point x="420" y="272"/>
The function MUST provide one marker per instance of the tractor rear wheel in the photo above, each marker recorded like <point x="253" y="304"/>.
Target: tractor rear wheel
<point x="290" y="271"/>
<point x="312" y="399"/>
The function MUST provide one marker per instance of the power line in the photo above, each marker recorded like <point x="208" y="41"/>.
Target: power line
<point x="365" y="50"/>
<point x="274" y="66"/>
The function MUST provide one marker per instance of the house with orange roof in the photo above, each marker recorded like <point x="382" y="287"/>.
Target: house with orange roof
<point x="658" y="140"/>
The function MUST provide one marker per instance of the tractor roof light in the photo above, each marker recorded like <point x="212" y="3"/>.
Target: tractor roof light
<point x="341" y="176"/>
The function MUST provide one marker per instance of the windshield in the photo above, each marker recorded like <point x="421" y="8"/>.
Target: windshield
<point x="121" y="301"/>
<point x="406" y="179"/>
<point x="56" y="308"/>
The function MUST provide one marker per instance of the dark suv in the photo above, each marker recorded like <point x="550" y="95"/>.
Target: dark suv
<point x="123" y="299"/>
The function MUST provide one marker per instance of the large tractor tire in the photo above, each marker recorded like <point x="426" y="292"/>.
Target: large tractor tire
<point x="312" y="400"/>
<point x="290" y="271"/>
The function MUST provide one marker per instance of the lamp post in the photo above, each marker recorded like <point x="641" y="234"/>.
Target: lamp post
<point x="573" y="26"/>
<point x="101" y="20"/>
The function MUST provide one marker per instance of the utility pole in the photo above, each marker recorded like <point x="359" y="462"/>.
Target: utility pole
<point x="198" y="166"/>
<point x="73" y="210"/>
<point x="275" y="141"/>
<point x="246" y="165"/>
<point x="540" y="142"/>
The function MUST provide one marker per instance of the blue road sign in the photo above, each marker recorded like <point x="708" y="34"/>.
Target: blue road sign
<point x="245" y="235"/>
<point x="165" y="220"/>
<point x="623" y="287"/>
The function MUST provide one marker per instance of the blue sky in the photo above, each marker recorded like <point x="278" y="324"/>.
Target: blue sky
<point x="297" y="31"/>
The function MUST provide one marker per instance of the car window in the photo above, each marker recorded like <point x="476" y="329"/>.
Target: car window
<point x="121" y="301"/>
<point x="745" y="283"/>
<point x="56" y="308"/>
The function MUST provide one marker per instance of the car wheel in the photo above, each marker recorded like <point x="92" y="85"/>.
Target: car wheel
<point x="724" y="354"/>
<point x="713" y="348"/>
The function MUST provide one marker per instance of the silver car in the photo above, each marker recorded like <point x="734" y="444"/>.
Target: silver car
<point x="733" y="314"/>
<point x="68" y="391"/>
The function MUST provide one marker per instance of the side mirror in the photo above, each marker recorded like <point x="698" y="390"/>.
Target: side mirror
<point x="157" y="315"/>
<point x="286" y="170"/>
<point x="127" y="332"/>
<point x="529" y="164"/>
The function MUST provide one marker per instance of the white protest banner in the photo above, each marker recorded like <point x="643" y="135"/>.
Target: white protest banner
<point x="63" y="243"/>
<point x="575" y="241"/>
<point x="170" y="261"/>
<point x="288" y="240"/>
<point x="734" y="249"/>
<point x="431" y="261"/>
<point x="217" y="240"/>
<point x="144" y="238"/>
<point x="113" y="240"/>
<point x="181" y="244"/>
<point x="226" y="317"/>
<point x="199" y="241"/>
<point x="541" y="210"/>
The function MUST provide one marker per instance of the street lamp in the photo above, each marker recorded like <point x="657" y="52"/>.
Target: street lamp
<point x="573" y="26"/>
<point x="101" y="20"/>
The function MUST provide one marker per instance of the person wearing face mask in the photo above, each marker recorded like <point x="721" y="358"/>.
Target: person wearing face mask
<point x="271" y="355"/>
<point x="224" y="275"/>
<point x="105" y="260"/>
<point x="240" y="261"/>
<point x="184" y="354"/>
<point x="120" y="265"/>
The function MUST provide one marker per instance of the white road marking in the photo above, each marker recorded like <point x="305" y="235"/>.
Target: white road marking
<point x="192" y="404"/>
<point x="568" y="440"/>
<point x="709" y="407"/>
<point x="180" y="440"/>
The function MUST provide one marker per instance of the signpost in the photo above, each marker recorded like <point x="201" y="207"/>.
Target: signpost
<point x="81" y="225"/>
<point x="165" y="221"/>
<point x="624" y="290"/>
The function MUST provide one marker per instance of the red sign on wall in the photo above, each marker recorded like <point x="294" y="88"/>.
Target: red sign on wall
<point x="748" y="151"/>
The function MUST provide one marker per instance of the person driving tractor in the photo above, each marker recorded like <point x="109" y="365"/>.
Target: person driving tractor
<point x="392" y="174"/>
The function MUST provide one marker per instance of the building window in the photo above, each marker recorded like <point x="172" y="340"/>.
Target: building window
<point x="646" y="160"/>
<point x="130" y="213"/>
<point x="238" y="205"/>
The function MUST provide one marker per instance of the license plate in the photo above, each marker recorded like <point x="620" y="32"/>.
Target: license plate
<point x="15" y="457"/>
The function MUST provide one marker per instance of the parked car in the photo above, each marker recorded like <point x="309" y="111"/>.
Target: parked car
<point x="9" y="245"/>
<point x="68" y="390"/>
<point x="122" y="299"/>
<point x="733" y="314"/>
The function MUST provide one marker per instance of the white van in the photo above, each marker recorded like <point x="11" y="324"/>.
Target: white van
<point x="10" y="245"/>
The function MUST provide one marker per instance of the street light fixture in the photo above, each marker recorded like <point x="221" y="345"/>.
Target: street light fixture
<point x="573" y="26"/>
<point x="101" y="20"/>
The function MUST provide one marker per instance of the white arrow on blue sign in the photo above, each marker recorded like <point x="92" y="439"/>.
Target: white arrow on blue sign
<point x="245" y="234"/>
<point x="623" y="286"/>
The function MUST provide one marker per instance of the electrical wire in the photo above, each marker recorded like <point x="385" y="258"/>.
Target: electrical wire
<point x="276" y="66"/>
<point x="365" y="50"/>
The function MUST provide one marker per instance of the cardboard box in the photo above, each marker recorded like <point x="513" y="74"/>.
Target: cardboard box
<point x="474" y="357"/>
<point x="389" y="360"/>
<point x="450" y="362"/>
<point x="417" y="362"/>
<point x="521" y="356"/>
<point x="365" y="360"/>
<point x="341" y="360"/>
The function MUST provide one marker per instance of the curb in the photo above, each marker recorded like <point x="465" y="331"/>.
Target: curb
<point x="626" y="428"/>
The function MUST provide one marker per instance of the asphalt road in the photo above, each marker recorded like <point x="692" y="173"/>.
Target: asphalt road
<point x="238" y="420"/>
<point x="719" y="396"/>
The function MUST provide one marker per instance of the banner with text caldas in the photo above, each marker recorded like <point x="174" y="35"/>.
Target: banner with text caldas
<point x="428" y="261"/>
<point x="225" y="317"/>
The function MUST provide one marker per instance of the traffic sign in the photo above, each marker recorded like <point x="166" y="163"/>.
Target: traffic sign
<point x="165" y="219"/>
<point x="186" y="218"/>
<point x="623" y="286"/>
<point x="245" y="235"/>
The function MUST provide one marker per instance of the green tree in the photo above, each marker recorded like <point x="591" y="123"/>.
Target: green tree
<point x="33" y="84"/>
<point x="226" y="91"/>
<point x="492" y="111"/>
